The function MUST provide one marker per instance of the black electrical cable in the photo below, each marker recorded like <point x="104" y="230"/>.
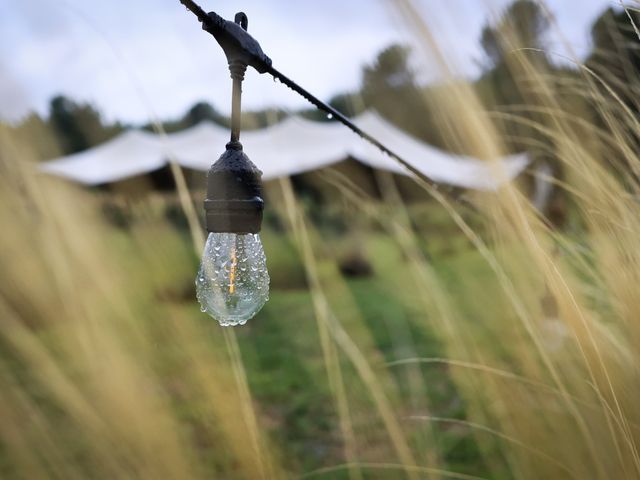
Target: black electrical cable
<point x="209" y="19"/>
<point x="197" y="11"/>
<point x="348" y="123"/>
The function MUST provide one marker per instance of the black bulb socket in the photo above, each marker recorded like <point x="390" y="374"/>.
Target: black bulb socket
<point x="234" y="194"/>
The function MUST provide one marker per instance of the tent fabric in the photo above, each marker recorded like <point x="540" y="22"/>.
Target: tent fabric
<point x="293" y="146"/>
<point x="129" y="154"/>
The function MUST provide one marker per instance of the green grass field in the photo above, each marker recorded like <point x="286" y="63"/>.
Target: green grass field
<point x="282" y="353"/>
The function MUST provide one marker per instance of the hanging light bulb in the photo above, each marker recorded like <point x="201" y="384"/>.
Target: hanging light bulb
<point x="233" y="283"/>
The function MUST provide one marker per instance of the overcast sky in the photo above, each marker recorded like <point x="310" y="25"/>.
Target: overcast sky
<point x="137" y="58"/>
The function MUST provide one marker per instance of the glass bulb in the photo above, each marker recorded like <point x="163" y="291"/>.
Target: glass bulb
<point x="233" y="283"/>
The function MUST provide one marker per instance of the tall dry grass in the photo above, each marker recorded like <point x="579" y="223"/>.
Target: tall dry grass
<point x="103" y="378"/>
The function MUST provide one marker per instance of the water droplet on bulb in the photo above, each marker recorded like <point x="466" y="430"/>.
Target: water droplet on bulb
<point x="232" y="291"/>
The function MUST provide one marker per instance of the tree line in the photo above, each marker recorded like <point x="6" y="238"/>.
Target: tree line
<point x="390" y="86"/>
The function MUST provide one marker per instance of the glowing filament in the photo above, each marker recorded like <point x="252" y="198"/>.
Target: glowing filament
<point x="232" y="274"/>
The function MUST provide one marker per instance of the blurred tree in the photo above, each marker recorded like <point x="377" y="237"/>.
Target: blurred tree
<point x="510" y="84"/>
<point x="616" y="53"/>
<point x="390" y="71"/>
<point x="523" y="24"/>
<point x="260" y="118"/>
<point x="505" y="83"/>
<point x="78" y="126"/>
<point x="390" y="87"/>
<point x="203" y="111"/>
<point x="615" y="58"/>
<point x="199" y="112"/>
<point x="62" y="118"/>
<point x="351" y="104"/>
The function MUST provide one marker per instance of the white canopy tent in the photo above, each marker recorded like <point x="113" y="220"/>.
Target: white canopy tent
<point x="291" y="147"/>
<point x="130" y="154"/>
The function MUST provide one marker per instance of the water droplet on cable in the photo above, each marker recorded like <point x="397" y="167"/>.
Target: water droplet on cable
<point x="329" y="116"/>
